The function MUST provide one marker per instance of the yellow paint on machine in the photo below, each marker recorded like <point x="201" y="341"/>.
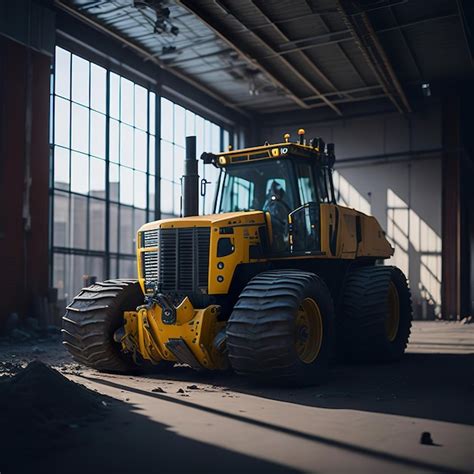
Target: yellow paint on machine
<point x="146" y="331"/>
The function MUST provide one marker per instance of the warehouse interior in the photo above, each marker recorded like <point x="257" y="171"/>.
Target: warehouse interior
<point x="96" y="100"/>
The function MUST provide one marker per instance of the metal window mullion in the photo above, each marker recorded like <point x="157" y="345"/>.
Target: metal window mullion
<point x="88" y="206"/>
<point x="147" y="186"/>
<point x="158" y="153"/>
<point x="52" y="120"/>
<point x="107" y="174"/>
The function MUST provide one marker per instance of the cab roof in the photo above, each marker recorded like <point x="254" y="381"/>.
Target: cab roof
<point x="316" y="151"/>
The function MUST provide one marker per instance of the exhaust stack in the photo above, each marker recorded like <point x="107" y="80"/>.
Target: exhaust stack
<point x="190" y="180"/>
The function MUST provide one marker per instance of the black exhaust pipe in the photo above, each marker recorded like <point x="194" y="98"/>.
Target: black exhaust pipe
<point x="190" y="180"/>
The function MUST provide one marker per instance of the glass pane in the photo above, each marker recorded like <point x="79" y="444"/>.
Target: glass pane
<point x="113" y="268"/>
<point x="79" y="173"/>
<point x="178" y="163"/>
<point x="96" y="225"/>
<point x="166" y="197"/>
<point x="226" y="142"/>
<point x="140" y="219"/>
<point x="62" y="122"/>
<point x="207" y="136"/>
<point x="152" y="155"/>
<point x="126" y="101"/>
<point x="306" y="185"/>
<point x="152" y="123"/>
<point x="166" y="119"/>
<point x="140" y="150"/>
<point x="94" y="266"/>
<point x="80" y="80"/>
<point x="141" y="107"/>
<point x="126" y="145"/>
<point x="199" y="135"/>
<point x="75" y="275"/>
<point x="179" y="129"/>
<point x="62" y="72"/>
<point x="114" y="226"/>
<point x="140" y="190"/>
<point x="177" y="199"/>
<point x="80" y="128"/>
<point x="126" y="186"/>
<point x="190" y="123"/>
<point x="212" y="175"/>
<point x="127" y="269"/>
<point x="114" y="141"/>
<point x="59" y="274"/>
<point x="166" y="160"/>
<point x="127" y="230"/>
<point x="97" y="134"/>
<point x="151" y="192"/>
<point x="98" y="87"/>
<point x="114" y="182"/>
<point x="78" y="221"/>
<point x="61" y="220"/>
<point x="97" y="179"/>
<point x="215" y="138"/>
<point x="61" y="168"/>
<point x="114" y="84"/>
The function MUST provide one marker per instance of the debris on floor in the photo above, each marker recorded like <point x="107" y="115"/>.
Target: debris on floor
<point x="45" y="401"/>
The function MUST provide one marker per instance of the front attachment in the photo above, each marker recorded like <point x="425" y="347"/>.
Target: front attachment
<point x="188" y="340"/>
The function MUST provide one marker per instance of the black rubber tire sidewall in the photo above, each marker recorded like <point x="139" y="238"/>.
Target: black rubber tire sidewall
<point x="317" y="371"/>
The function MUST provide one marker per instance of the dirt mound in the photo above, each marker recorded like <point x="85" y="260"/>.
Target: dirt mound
<point x="38" y="398"/>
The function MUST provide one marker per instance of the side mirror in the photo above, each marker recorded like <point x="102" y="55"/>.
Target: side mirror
<point x="204" y="183"/>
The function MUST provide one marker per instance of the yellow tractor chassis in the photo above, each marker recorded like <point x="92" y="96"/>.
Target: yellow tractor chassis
<point x="190" y="339"/>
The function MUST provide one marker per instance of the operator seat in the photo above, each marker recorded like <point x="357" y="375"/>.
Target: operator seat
<point x="276" y="205"/>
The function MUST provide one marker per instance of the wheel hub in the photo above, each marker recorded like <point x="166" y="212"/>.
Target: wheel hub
<point x="309" y="331"/>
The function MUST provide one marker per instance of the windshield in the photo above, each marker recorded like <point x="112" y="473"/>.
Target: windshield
<point x="252" y="186"/>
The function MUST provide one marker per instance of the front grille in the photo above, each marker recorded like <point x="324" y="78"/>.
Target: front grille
<point x="182" y="262"/>
<point x="150" y="238"/>
<point x="150" y="266"/>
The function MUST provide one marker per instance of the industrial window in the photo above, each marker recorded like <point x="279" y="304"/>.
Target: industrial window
<point x="177" y="123"/>
<point x="103" y="178"/>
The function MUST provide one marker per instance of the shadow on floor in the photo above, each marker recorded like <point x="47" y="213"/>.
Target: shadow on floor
<point x="431" y="386"/>
<point x="123" y="441"/>
<point x="397" y="460"/>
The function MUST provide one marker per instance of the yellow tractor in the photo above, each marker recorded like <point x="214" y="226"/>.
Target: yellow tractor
<point x="274" y="284"/>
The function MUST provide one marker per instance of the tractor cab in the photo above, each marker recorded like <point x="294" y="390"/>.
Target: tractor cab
<point x="288" y="181"/>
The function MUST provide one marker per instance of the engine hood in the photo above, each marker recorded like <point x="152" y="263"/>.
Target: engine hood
<point x="218" y="220"/>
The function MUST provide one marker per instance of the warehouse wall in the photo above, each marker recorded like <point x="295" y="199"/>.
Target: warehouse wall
<point x="24" y="203"/>
<point x="390" y="165"/>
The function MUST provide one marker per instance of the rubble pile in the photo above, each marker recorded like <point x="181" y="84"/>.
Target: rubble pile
<point x="40" y="400"/>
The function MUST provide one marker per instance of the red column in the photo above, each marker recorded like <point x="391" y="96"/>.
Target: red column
<point x="451" y="209"/>
<point x="23" y="250"/>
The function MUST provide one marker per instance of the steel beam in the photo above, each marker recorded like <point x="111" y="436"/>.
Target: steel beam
<point x="291" y="67"/>
<point x="309" y="63"/>
<point x="224" y="36"/>
<point x="375" y="56"/>
<point x="144" y="53"/>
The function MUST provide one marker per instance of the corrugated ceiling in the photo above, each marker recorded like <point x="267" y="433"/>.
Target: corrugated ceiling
<point x="270" y="55"/>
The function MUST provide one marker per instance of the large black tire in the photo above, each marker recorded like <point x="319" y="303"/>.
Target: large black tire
<point x="91" y="320"/>
<point x="262" y="329"/>
<point x="363" y="334"/>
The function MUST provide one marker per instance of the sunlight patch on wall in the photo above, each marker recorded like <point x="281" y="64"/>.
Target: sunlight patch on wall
<point x="404" y="228"/>
<point x="347" y="195"/>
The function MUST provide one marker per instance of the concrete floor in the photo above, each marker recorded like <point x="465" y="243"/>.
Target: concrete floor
<point x="367" y="418"/>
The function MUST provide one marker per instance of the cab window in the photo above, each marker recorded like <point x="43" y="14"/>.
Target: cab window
<point x="306" y="184"/>
<point x="250" y="186"/>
